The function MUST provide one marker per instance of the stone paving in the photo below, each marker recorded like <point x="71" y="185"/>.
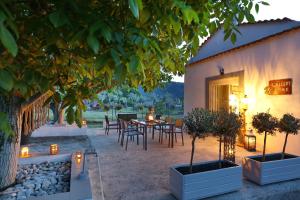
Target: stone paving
<point x="137" y="174"/>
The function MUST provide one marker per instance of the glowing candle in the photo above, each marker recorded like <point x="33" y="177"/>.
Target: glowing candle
<point x="54" y="149"/>
<point x="25" y="152"/>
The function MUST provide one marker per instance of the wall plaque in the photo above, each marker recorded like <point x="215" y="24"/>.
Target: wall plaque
<point x="279" y="87"/>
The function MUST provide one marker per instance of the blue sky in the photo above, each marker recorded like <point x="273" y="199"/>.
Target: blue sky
<point x="277" y="9"/>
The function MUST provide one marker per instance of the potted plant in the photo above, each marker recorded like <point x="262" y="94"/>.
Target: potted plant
<point x="271" y="168"/>
<point x="198" y="180"/>
<point x="225" y="125"/>
<point x="288" y="124"/>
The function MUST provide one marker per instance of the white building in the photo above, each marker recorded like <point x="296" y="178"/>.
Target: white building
<point x="265" y="51"/>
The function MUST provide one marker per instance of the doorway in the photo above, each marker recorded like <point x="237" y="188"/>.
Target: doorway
<point x="225" y="91"/>
<point x="223" y="94"/>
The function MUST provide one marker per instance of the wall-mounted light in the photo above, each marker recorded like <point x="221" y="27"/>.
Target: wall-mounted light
<point x="221" y="70"/>
<point x="245" y="102"/>
<point x="234" y="103"/>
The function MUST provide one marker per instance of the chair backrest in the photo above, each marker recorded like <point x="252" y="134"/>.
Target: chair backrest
<point x="178" y="123"/>
<point x="123" y="124"/>
<point x="106" y="119"/>
<point x="168" y="119"/>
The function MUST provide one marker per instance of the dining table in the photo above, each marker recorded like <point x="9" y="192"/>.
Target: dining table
<point x="144" y="125"/>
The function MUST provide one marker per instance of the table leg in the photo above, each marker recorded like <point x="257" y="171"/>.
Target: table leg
<point x="172" y="142"/>
<point x="146" y="138"/>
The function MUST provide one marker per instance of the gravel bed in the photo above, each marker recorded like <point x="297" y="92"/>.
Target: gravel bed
<point x="39" y="179"/>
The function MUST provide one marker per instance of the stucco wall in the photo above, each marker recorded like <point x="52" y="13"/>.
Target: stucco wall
<point x="274" y="58"/>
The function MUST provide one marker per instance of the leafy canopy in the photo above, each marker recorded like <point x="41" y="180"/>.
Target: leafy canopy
<point x="289" y="124"/>
<point x="226" y="123"/>
<point x="265" y="123"/>
<point x="198" y="122"/>
<point x="79" y="48"/>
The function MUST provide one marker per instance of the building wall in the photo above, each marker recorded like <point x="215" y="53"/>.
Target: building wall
<point x="274" y="58"/>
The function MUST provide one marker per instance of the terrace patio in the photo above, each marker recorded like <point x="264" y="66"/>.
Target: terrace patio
<point x="139" y="174"/>
<point x="136" y="174"/>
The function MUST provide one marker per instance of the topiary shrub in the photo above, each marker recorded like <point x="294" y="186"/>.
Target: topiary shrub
<point x="265" y="124"/>
<point x="225" y="124"/>
<point x="288" y="124"/>
<point x="198" y="123"/>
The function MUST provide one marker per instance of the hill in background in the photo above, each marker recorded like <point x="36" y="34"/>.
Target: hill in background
<point x="175" y="89"/>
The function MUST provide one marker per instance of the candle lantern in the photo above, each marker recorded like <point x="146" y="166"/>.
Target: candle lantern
<point x="250" y="142"/>
<point x="54" y="149"/>
<point x="78" y="157"/>
<point x="25" y="152"/>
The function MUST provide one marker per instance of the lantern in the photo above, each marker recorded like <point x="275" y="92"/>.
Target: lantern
<point x="83" y="122"/>
<point x="149" y="117"/>
<point x="245" y="103"/>
<point x="78" y="157"/>
<point x="54" y="149"/>
<point x="25" y="152"/>
<point x="250" y="142"/>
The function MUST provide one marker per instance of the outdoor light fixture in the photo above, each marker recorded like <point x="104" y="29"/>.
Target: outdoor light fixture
<point x="78" y="157"/>
<point x="231" y="152"/>
<point x="245" y="102"/>
<point x="54" y="149"/>
<point x="150" y="117"/>
<point x="83" y="122"/>
<point x="25" y="152"/>
<point x="234" y="103"/>
<point x="250" y="141"/>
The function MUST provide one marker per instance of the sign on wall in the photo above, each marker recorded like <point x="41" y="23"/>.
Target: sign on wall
<point x="279" y="87"/>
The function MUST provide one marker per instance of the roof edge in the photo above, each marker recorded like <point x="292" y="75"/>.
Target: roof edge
<point x="245" y="45"/>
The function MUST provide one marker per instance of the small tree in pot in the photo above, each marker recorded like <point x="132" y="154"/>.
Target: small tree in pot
<point x="265" y="124"/>
<point x="289" y="125"/>
<point x="225" y="124"/>
<point x="198" y="123"/>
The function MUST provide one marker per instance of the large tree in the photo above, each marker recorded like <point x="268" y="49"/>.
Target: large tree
<point x="78" y="48"/>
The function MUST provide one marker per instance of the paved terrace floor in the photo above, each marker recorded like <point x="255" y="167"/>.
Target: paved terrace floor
<point x="137" y="174"/>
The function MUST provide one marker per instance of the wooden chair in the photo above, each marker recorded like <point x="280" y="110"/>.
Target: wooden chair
<point x="109" y="125"/>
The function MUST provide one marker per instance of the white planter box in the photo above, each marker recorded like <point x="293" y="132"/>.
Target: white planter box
<point x="204" y="184"/>
<point x="271" y="171"/>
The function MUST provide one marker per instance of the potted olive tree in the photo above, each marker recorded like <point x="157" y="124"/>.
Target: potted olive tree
<point x="288" y="124"/>
<point x="271" y="168"/>
<point x="225" y="125"/>
<point x="205" y="179"/>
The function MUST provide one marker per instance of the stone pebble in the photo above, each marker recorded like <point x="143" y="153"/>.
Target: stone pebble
<point x="39" y="179"/>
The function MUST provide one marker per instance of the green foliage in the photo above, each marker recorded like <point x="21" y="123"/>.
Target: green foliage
<point x="198" y="122"/>
<point x="289" y="124"/>
<point x="6" y="37"/>
<point x="6" y="80"/>
<point x="264" y="123"/>
<point x="267" y="124"/>
<point x="118" y="107"/>
<point x="80" y="48"/>
<point x="226" y="124"/>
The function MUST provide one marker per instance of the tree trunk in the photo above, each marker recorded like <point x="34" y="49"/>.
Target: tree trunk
<point x="264" y="151"/>
<point x="285" y="141"/>
<point x="192" y="154"/>
<point x="10" y="147"/>
<point x="61" y="117"/>
<point x="220" y="152"/>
